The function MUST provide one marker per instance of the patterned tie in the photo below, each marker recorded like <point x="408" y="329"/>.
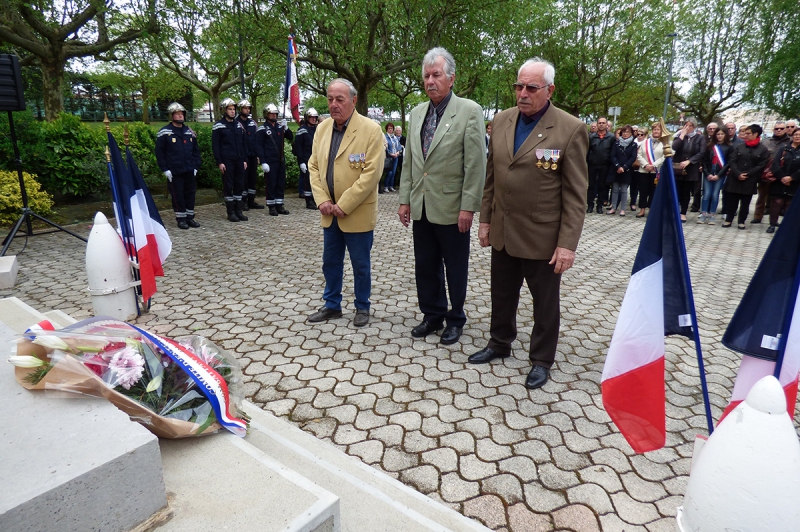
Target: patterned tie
<point x="430" y="130"/>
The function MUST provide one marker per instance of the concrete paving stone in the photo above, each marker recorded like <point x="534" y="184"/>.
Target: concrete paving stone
<point x="681" y="466"/>
<point x="677" y="485"/>
<point x="396" y="379"/>
<point x="305" y="412"/>
<point x="480" y="391"/>
<point x="442" y="397"/>
<point x="521" y="466"/>
<point x="577" y="518"/>
<point x="554" y="478"/>
<point x="443" y="458"/>
<point x="416" y="442"/>
<point x="405" y="395"/>
<point x="593" y="495"/>
<point x="668" y="506"/>
<point x="424" y="479"/>
<point x="612" y="523"/>
<point x="281" y="407"/>
<point x="366" y="419"/>
<point x="458" y="386"/>
<point x="613" y="458"/>
<point x="303" y="395"/>
<point x="632" y="511"/>
<point x="521" y="519"/>
<point x="571" y="408"/>
<point x="426" y="407"/>
<point x="343" y="389"/>
<point x="589" y="429"/>
<point x="478" y="427"/>
<point x="537" y="450"/>
<point x="541" y="499"/>
<point x="488" y="450"/>
<point x="506" y="486"/>
<point x="395" y="459"/>
<point x="413" y="370"/>
<point x="434" y="427"/>
<point x="454" y="489"/>
<point x="370" y="451"/>
<point x="327" y="400"/>
<point x="505" y="402"/>
<point x="492" y="414"/>
<point x="503" y="435"/>
<point x="343" y="413"/>
<point x="379" y="390"/>
<point x="385" y="406"/>
<point x="650" y="470"/>
<point x="487" y="509"/>
<point x="322" y="428"/>
<point x="532" y="409"/>
<point x="559" y="420"/>
<point x="408" y="420"/>
<point x="473" y="468"/>
<point x="568" y="460"/>
<point x="641" y="489"/>
<point x="580" y="444"/>
<point x="363" y="401"/>
<point x="603" y="476"/>
<point x="348" y="434"/>
<point x="462" y="442"/>
<point x="390" y="435"/>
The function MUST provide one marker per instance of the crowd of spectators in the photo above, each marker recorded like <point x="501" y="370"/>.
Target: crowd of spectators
<point x="717" y="171"/>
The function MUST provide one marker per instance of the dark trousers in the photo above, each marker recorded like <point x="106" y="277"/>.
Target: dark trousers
<point x="441" y="251"/>
<point x="183" y="189"/>
<point x="276" y="182"/>
<point x="647" y="187"/>
<point x="740" y="201"/>
<point x="633" y="191"/>
<point x="233" y="179"/>
<point x="685" y="190"/>
<point x="544" y="284"/>
<point x="251" y="175"/>
<point x="597" y="185"/>
<point x="762" y="201"/>
<point x="398" y="172"/>
<point x="305" y="184"/>
<point x="697" y="194"/>
<point x="776" y="205"/>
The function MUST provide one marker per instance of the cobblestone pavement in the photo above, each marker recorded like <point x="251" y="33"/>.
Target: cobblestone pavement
<point x="472" y="437"/>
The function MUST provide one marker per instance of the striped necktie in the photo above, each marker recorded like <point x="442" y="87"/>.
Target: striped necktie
<point x="430" y="130"/>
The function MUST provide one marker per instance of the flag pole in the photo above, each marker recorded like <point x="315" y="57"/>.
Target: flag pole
<point x="787" y="321"/>
<point x="136" y="274"/>
<point x="665" y="138"/>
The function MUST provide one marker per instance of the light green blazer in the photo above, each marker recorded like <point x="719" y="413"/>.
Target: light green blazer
<point x="451" y="179"/>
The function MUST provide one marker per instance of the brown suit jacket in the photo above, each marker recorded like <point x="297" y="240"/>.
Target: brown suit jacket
<point x="533" y="210"/>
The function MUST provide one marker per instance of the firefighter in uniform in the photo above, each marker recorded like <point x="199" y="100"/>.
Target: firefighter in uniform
<point x="228" y="141"/>
<point x="178" y="156"/>
<point x="270" y="143"/>
<point x="302" y="149"/>
<point x="250" y="126"/>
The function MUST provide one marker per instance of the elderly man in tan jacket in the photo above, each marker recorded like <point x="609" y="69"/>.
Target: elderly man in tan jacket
<point x="345" y="166"/>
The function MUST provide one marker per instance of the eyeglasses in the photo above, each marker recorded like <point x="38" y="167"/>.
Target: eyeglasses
<point x="641" y="135"/>
<point x="531" y="88"/>
<point x="779" y="128"/>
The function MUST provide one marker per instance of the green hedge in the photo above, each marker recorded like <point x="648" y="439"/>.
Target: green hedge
<point x="11" y="197"/>
<point x="68" y="155"/>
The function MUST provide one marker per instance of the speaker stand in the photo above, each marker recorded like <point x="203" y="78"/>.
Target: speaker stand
<point x="27" y="213"/>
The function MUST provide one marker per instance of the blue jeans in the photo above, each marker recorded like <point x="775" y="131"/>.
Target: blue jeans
<point x="711" y="195"/>
<point x="390" y="175"/>
<point x="358" y="245"/>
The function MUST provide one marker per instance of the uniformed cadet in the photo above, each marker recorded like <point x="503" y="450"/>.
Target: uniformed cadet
<point x="302" y="149"/>
<point x="269" y="141"/>
<point x="178" y="156"/>
<point x="228" y="139"/>
<point x="250" y="126"/>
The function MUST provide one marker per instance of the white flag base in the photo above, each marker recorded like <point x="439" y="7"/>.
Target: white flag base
<point x="747" y="475"/>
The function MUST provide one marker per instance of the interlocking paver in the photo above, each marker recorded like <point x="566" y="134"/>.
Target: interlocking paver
<point x="470" y="436"/>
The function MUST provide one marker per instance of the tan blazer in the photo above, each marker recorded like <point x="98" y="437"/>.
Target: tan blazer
<point x="451" y="178"/>
<point x="355" y="189"/>
<point x="533" y="210"/>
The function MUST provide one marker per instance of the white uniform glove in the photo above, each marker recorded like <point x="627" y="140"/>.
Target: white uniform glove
<point x="284" y="124"/>
<point x="265" y="167"/>
<point x="169" y="175"/>
<point x="303" y="168"/>
<point x="195" y="171"/>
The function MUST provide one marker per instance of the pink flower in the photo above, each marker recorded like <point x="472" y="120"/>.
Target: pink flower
<point x="128" y="366"/>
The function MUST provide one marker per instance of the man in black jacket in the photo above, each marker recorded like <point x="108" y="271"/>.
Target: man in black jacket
<point x="250" y="127"/>
<point x="303" y="142"/>
<point x="178" y="157"/>
<point x="228" y="138"/>
<point x="270" y="145"/>
<point x="599" y="160"/>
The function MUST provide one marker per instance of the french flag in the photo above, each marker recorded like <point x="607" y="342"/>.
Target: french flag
<point x="138" y="221"/>
<point x="291" y="87"/>
<point x="763" y="327"/>
<point x="657" y="303"/>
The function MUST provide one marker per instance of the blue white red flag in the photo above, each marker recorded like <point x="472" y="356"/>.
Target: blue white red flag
<point x="657" y="303"/>
<point x="719" y="158"/>
<point x="766" y="314"/>
<point x="291" y="87"/>
<point x="138" y="221"/>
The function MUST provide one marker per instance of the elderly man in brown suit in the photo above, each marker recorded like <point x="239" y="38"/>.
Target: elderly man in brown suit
<point x="532" y="214"/>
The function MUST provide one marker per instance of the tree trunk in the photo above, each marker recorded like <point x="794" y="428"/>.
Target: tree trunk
<point x="53" y="90"/>
<point x="214" y="96"/>
<point x="403" y="112"/>
<point x="145" y="106"/>
<point x="362" y="104"/>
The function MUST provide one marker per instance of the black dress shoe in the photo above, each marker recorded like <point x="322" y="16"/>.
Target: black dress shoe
<point x="324" y="313"/>
<point x="537" y="377"/>
<point x="451" y="335"/>
<point x="484" y="356"/>
<point x="362" y="318"/>
<point x="424" y="329"/>
<point x="589" y="209"/>
<point x="182" y="224"/>
<point x="599" y="209"/>
<point x="191" y="223"/>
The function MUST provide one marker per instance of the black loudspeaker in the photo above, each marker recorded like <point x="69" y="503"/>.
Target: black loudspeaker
<point x="12" y="97"/>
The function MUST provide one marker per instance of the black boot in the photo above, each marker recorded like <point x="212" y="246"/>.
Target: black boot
<point x="273" y="211"/>
<point x="251" y="202"/>
<point x="281" y="209"/>
<point x="190" y="222"/>
<point x="310" y="203"/>
<point x="231" y="212"/>
<point x="182" y="223"/>
<point x="238" y="210"/>
<point x="245" y="206"/>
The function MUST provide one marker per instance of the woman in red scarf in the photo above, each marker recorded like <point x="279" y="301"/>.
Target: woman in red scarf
<point x="744" y="166"/>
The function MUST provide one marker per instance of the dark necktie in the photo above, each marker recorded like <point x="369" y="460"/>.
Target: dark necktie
<point x="430" y="130"/>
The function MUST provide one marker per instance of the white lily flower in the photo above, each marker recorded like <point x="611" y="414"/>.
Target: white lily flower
<point x="24" y="361"/>
<point x="154" y="384"/>
<point x="51" y="342"/>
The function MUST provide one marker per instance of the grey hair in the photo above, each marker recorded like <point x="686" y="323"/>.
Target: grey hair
<point x="779" y="122"/>
<point x="691" y="119"/>
<point x="347" y="83"/>
<point x="549" y="69"/>
<point x="792" y="121"/>
<point x="435" y="53"/>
